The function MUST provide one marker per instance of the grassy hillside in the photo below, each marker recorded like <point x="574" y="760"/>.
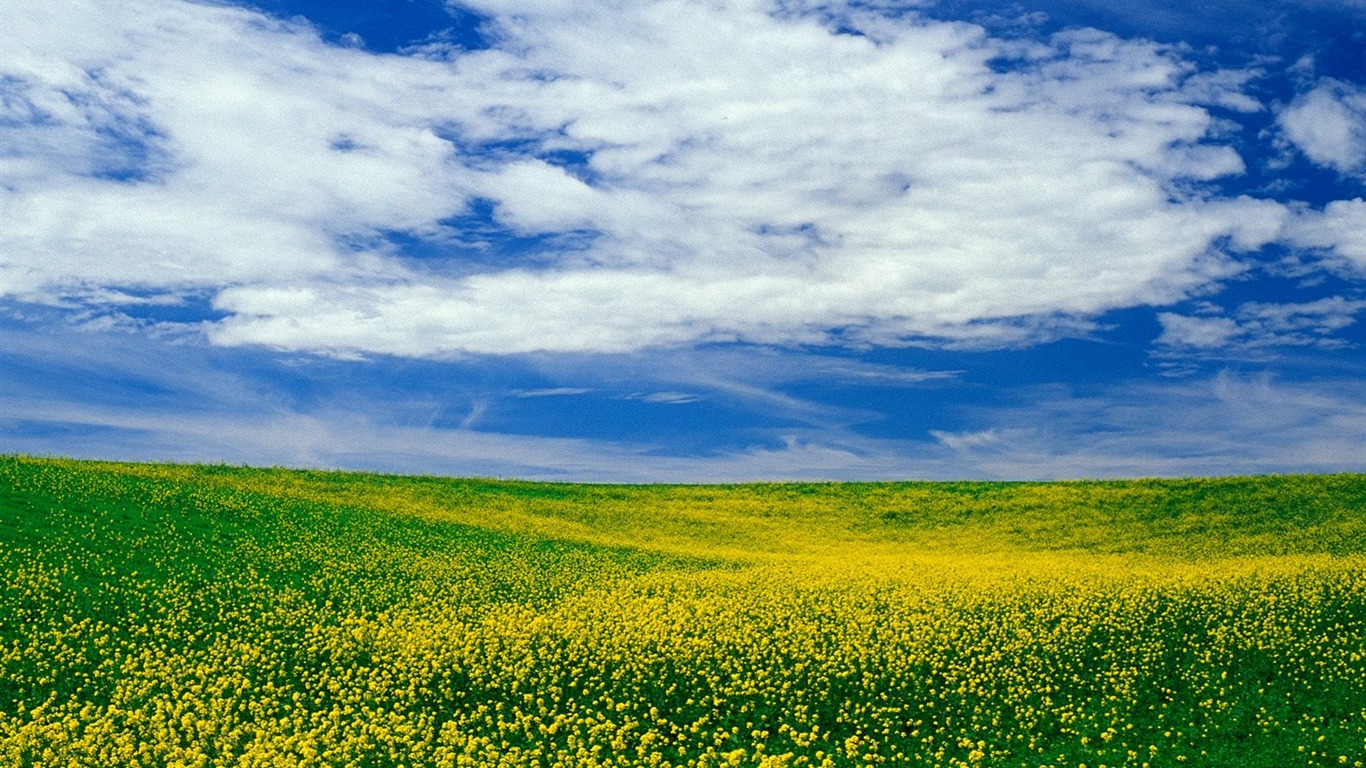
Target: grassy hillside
<point x="162" y="615"/>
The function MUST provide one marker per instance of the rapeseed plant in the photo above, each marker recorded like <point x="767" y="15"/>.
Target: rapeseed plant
<point x="173" y="615"/>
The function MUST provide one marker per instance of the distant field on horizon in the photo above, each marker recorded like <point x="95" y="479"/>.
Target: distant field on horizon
<point x="159" y="614"/>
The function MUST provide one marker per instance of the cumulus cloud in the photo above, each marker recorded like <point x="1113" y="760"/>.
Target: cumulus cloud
<point x="1339" y="231"/>
<point x="165" y="145"/>
<point x="1328" y="124"/>
<point x="734" y="170"/>
<point x="1257" y="326"/>
<point x="1197" y="332"/>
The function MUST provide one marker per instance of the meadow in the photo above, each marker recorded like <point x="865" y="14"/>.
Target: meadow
<point x="176" y="615"/>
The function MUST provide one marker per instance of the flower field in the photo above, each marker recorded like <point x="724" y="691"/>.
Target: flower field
<point x="169" y="615"/>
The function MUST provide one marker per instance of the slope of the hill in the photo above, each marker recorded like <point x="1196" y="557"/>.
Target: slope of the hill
<point x="167" y="614"/>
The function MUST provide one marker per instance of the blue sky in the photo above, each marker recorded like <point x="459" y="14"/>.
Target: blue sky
<point x="687" y="240"/>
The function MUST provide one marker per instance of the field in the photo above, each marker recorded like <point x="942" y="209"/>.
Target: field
<point x="162" y="615"/>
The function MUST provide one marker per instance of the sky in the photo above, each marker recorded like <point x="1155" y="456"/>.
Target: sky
<point x="687" y="240"/>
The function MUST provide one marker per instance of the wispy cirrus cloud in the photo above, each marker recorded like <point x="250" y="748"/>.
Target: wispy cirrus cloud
<point x="142" y="400"/>
<point x="552" y="392"/>
<point x="666" y="397"/>
<point x="1224" y="424"/>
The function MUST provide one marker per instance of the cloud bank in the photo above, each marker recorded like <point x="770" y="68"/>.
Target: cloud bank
<point x="613" y="176"/>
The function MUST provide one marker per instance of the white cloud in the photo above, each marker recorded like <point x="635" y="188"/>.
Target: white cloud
<point x="1328" y="124"/>
<point x="746" y="175"/>
<point x="1257" y="325"/>
<point x="1339" y="230"/>
<point x="1197" y="332"/>
<point x="176" y="144"/>
<point x="667" y="398"/>
<point x="966" y="440"/>
<point x="552" y="392"/>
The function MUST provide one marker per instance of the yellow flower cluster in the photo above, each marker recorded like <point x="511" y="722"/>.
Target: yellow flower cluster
<point x="161" y="615"/>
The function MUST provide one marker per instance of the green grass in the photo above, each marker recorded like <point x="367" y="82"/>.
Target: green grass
<point x="169" y="614"/>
